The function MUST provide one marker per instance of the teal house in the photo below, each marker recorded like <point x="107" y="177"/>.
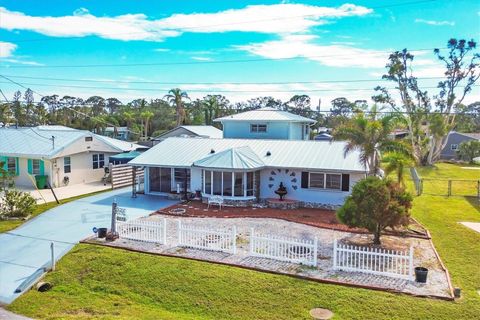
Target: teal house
<point x="266" y="123"/>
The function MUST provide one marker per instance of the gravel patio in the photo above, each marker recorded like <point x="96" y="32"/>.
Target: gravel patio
<point x="424" y="253"/>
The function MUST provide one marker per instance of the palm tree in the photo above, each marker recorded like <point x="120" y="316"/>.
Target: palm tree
<point x="395" y="161"/>
<point x="146" y="116"/>
<point x="175" y="97"/>
<point x="370" y="135"/>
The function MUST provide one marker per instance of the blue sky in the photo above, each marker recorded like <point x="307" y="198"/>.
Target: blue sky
<point x="295" y="41"/>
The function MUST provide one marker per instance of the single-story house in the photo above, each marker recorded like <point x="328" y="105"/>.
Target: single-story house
<point x="454" y="139"/>
<point x="65" y="155"/>
<point x="191" y="132"/>
<point x="245" y="171"/>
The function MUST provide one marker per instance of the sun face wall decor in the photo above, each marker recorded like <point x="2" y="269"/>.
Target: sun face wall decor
<point x="288" y="177"/>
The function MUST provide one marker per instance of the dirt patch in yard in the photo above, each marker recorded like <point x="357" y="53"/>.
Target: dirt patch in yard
<point x="320" y="218"/>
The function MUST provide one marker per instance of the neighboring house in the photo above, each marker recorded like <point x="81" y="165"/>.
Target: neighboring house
<point x="121" y="133"/>
<point x="454" y="139"/>
<point x="246" y="171"/>
<point x="190" y="131"/>
<point x="58" y="152"/>
<point x="266" y="123"/>
<point x="323" y="137"/>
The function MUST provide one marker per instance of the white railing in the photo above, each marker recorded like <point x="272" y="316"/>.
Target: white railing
<point x="284" y="249"/>
<point x="392" y="263"/>
<point x="143" y="230"/>
<point x="206" y="238"/>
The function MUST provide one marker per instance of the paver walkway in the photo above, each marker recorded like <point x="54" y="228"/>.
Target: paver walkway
<point x="27" y="248"/>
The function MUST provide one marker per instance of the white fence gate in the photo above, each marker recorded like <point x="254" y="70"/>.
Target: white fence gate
<point x="284" y="249"/>
<point x="143" y="230"/>
<point x="202" y="237"/>
<point x="392" y="263"/>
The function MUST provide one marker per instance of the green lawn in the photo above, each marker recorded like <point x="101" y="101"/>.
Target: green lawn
<point x="100" y="282"/>
<point x="7" y="225"/>
<point x="465" y="181"/>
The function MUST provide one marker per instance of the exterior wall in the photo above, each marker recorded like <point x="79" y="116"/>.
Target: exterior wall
<point x="453" y="138"/>
<point x="241" y="129"/>
<point x="311" y="197"/>
<point x="196" y="179"/>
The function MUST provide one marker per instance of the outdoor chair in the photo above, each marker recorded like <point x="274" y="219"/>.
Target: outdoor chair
<point x="215" y="200"/>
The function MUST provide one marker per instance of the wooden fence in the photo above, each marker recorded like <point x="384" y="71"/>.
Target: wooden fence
<point x="284" y="249"/>
<point x="207" y="238"/>
<point x="392" y="263"/>
<point x="122" y="175"/>
<point x="143" y="230"/>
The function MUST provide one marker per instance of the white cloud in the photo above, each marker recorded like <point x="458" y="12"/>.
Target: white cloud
<point x="6" y="49"/>
<point x="435" y="23"/>
<point x="23" y="62"/>
<point x="161" y="50"/>
<point x="202" y="58"/>
<point x="292" y="46"/>
<point x="274" y="19"/>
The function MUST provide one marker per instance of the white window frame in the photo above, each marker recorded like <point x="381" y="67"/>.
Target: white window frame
<point x="454" y="147"/>
<point x="255" y="127"/>
<point x="35" y="168"/>
<point x="100" y="162"/>
<point x="9" y="169"/>
<point x="325" y="180"/>
<point x="244" y="184"/>
<point x="69" y="165"/>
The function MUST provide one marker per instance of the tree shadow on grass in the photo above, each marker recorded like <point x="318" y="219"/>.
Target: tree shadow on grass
<point x="474" y="202"/>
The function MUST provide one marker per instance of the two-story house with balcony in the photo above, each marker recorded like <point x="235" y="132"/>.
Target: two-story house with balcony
<point x="260" y="150"/>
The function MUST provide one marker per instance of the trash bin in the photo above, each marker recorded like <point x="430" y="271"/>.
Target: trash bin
<point x="102" y="232"/>
<point x="41" y="181"/>
<point x="421" y="274"/>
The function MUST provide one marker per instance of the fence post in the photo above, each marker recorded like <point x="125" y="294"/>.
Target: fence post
<point x="334" y="254"/>
<point x="179" y="233"/>
<point x="478" y="189"/>
<point x="251" y="240"/>
<point x="410" y="267"/>
<point x="234" y="239"/>
<point x="315" y="251"/>
<point x="421" y="187"/>
<point x="52" y="251"/>
<point x="164" y="231"/>
<point x="449" y="188"/>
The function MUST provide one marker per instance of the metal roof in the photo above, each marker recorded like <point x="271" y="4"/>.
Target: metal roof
<point x="36" y="142"/>
<point x="265" y="114"/>
<point x="205" y="131"/>
<point x="234" y="158"/>
<point x="315" y="155"/>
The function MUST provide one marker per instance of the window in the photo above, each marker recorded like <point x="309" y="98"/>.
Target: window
<point x="317" y="180"/>
<point x="325" y="180"/>
<point x="67" y="168"/>
<point x="333" y="181"/>
<point x="228" y="184"/>
<point x="261" y="128"/>
<point x="35" y="166"/>
<point x="453" y="147"/>
<point x="98" y="160"/>
<point x="88" y="139"/>
<point x="179" y="176"/>
<point x="12" y="165"/>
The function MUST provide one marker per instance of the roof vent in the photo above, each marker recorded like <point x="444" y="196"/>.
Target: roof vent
<point x="269" y="153"/>
<point x="212" y="151"/>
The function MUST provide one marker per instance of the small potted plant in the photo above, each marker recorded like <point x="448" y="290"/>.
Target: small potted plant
<point x="198" y="194"/>
<point x="421" y="274"/>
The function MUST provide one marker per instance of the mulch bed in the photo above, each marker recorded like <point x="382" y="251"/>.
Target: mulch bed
<point x="319" y="218"/>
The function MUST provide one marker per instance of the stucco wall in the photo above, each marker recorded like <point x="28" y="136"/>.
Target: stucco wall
<point x="268" y="187"/>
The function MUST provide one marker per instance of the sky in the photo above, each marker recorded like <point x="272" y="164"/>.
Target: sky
<point x="242" y="49"/>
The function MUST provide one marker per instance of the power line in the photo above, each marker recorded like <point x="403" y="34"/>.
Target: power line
<point x="206" y="90"/>
<point x="207" y="83"/>
<point x="181" y="63"/>
<point x="196" y="27"/>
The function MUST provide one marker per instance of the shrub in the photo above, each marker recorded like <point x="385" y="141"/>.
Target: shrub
<point x="376" y="204"/>
<point x="468" y="150"/>
<point x="16" y="204"/>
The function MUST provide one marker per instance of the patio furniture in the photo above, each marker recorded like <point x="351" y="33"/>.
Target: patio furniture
<point x="218" y="200"/>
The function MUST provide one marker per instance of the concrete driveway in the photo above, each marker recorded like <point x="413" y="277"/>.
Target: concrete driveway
<point x="26" y="249"/>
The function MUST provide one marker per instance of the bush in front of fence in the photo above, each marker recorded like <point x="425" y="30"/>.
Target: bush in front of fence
<point x="376" y="204"/>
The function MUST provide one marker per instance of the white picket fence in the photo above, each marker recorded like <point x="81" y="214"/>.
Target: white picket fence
<point x="143" y="230"/>
<point x="206" y="238"/>
<point x="292" y="250"/>
<point x="392" y="263"/>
